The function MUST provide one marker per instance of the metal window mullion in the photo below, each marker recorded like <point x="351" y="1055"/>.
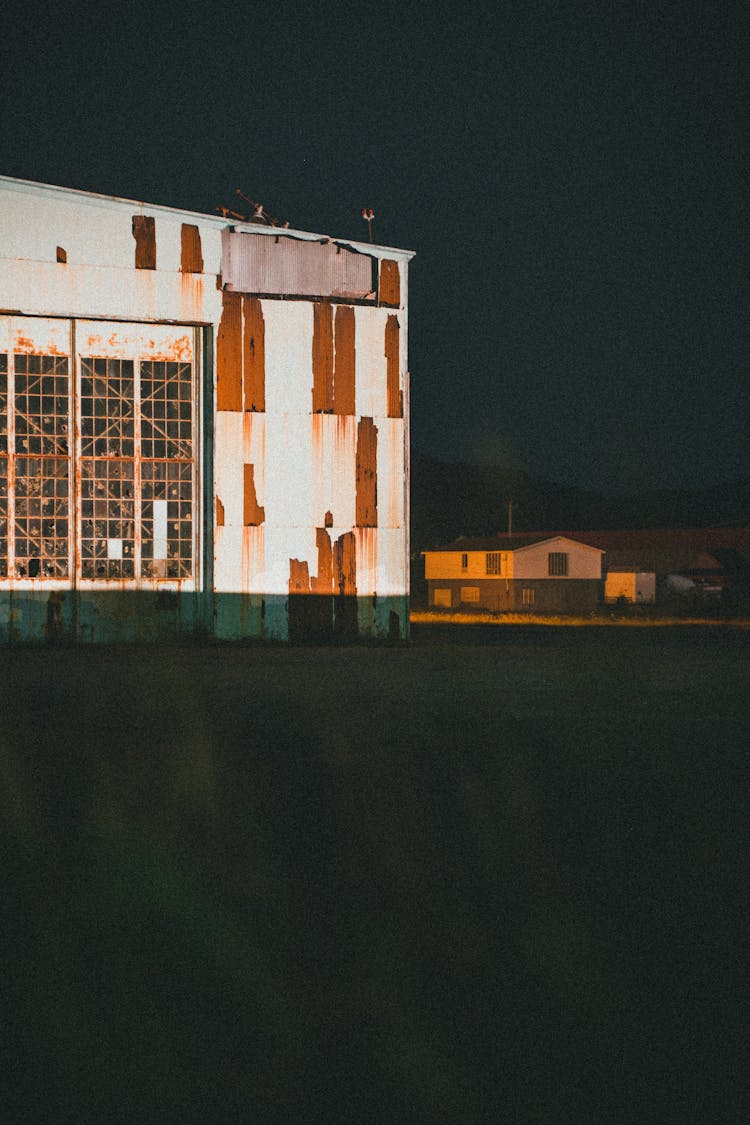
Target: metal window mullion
<point x="137" y="487"/>
<point x="196" y="514"/>
<point x="74" y="463"/>
<point x="11" y="459"/>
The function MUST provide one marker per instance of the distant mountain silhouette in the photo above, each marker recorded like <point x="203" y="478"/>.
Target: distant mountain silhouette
<point x="448" y="500"/>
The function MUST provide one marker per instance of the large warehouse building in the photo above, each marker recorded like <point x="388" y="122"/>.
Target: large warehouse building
<point x="203" y="425"/>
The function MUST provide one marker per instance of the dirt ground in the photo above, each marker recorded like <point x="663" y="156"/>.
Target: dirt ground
<point x="497" y="875"/>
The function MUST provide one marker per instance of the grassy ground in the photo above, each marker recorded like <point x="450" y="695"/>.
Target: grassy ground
<point x="448" y="617"/>
<point x="499" y="875"/>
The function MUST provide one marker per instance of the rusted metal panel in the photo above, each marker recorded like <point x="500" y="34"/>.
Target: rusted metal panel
<point x="367" y="473"/>
<point x="61" y="255"/>
<point x="254" y="355"/>
<point x="371" y="399"/>
<point x="391" y="489"/>
<point x="253" y="513"/>
<point x="345" y="565"/>
<point x="344" y="361"/>
<point x="333" y="469"/>
<point x="191" y="255"/>
<point x="144" y="233"/>
<point x="322" y="360"/>
<point x="390" y="282"/>
<point x="255" y="263"/>
<point x="393" y="364"/>
<point x="322" y="583"/>
<point x="299" y="577"/>
<point x="229" y="354"/>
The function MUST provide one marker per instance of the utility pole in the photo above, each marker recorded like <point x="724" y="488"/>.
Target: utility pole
<point x="511" y="506"/>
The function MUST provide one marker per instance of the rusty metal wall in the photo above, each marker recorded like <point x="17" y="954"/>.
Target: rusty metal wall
<point x="305" y="532"/>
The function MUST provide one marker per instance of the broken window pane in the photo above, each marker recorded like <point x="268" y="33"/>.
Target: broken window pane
<point x="42" y="406"/>
<point x="40" y="540"/>
<point x="107" y="408"/>
<point x="107" y="519"/>
<point x="167" y="486"/>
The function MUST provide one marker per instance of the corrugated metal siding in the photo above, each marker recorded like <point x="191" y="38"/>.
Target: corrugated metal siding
<point x="257" y="263"/>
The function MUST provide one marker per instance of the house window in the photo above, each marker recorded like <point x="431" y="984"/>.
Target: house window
<point x="464" y="562"/>
<point x="469" y="593"/>
<point x="442" y="598"/>
<point x="557" y="563"/>
<point x="493" y="562"/>
<point x="528" y="596"/>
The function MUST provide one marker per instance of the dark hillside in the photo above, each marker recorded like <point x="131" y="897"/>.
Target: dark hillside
<point x="448" y="500"/>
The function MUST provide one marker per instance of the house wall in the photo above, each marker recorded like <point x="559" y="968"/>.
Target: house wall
<point x="448" y="564"/>
<point x="299" y="407"/>
<point x="583" y="562"/>
<point x="552" y="595"/>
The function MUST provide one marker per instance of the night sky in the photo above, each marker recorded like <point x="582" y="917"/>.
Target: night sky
<point x="572" y="176"/>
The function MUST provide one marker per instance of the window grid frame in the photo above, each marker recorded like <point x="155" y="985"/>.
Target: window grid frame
<point x="62" y="442"/>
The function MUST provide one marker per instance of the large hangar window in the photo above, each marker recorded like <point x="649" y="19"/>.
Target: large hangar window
<point x="127" y="486"/>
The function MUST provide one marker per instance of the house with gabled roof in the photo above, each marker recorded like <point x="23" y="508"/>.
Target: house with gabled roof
<point x="507" y="574"/>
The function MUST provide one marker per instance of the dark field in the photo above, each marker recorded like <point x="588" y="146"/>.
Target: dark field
<point x="501" y="875"/>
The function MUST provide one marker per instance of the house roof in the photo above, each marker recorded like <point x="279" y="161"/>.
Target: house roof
<point x="663" y="550"/>
<point x="510" y="543"/>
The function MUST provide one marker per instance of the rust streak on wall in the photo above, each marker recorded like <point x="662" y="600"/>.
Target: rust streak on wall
<point x="328" y="519"/>
<point x="229" y="354"/>
<point x="395" y="395"/>
<point x="144" y="233"/>
<point x="299" y="577"/>
<point x="322" y="359"/>
<point x="323" y="583"/>
<point x="367" y="473"/>
<point x="345" y="564"/>
<point x="219" y="513"/>
<point x="254" y="355"/>
<point x="343" y="369"/>
<point x="390" y="282"/>
<point x="191" y="250"/>
<point x="254" y="515"/>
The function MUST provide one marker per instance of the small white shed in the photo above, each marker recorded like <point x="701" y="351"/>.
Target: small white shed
<point x="633" y="586"/>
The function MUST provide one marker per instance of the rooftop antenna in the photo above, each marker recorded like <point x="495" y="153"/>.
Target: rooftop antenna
<point x="368" y="215"/>
<point x="259" y="215"/>
<point x="511" y="505"/>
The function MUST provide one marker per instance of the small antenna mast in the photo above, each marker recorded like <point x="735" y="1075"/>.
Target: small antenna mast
<point x="368" y="215"/>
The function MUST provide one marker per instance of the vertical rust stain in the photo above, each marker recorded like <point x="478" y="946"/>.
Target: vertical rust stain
<point x="390" y="282"/>
<point x="328" y="519"/>
<point x="323" y="583"/>
<point x="229" y="354"/>
<point x="367" y="473"/>
<point x="144" y="233"/>
<point x="191" y="249"/>
<point x="395" y="394"/>
<point x="61" y="255"/>
<point x="254" y="355"/>
<point x="299" y="577"/>
<point x="345" y="565"/>
<point x="254" y="515"/>
<point x="322" y="359"/>
<point x="343" y="367"/>
<point x="219" y="513"/>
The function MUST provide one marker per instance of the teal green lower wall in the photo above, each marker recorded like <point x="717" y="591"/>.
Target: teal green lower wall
<point x="116" y="616"/>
